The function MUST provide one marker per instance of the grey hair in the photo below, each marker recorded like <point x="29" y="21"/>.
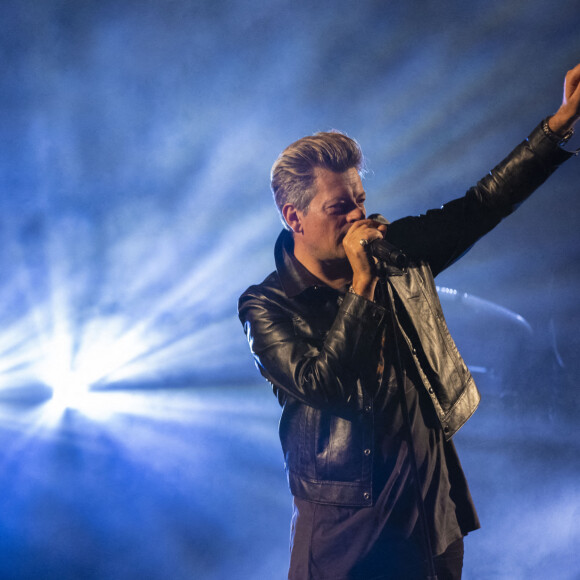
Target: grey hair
<point x="293" y="174"/>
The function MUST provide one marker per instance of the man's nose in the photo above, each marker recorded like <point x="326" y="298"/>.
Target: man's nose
<point x="358" y="213"/>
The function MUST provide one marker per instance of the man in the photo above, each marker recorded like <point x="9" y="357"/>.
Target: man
<point x="371" y="385"/>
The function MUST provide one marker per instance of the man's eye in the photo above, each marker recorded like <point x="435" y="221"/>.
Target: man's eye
<point x="344" y="207"/>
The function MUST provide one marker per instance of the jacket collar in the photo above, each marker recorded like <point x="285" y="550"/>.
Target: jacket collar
<point x="294" y="277"/>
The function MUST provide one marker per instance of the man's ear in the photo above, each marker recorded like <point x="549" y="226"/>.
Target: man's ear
<point x="292" y="218"/>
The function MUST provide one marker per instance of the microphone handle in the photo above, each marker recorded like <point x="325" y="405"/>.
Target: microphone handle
<point x="386" y="252"/>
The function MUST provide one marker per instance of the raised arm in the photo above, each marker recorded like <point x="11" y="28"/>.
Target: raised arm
<point x="443" y="235"/>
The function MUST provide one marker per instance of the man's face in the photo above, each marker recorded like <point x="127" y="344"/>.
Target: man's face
<point x="338" y="203"/>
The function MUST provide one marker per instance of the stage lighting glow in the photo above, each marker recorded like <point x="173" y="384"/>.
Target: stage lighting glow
<point x="69" y="393"/>
<point x="57" y="371"/>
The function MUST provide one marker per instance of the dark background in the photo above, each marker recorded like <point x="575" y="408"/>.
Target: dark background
<point x="137" y="440"/>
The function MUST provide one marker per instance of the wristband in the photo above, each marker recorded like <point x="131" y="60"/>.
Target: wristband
<point x="554" y="137"/>
<point x="560" y="140"/>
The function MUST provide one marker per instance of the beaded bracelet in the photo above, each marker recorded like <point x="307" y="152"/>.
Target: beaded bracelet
<point x="554" y="137"/>
<point x="560" y="140"/>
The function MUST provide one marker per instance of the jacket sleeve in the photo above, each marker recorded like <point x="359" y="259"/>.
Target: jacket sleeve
<point x="321" y="371"/>
<point x="443" y="235"/>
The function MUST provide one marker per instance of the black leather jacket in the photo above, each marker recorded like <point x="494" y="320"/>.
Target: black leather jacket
<point x="310" y="341"/>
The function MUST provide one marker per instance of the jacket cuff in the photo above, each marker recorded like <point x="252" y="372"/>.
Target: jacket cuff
<point x="362" y="309"/>
<point x="355" y="329"/>
<point x="547" y="148"/>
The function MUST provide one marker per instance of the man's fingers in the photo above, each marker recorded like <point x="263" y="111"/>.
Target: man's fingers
<point x="569" y="112"/>
<point x="572" y="86"/>
<point x="365" y="229"/>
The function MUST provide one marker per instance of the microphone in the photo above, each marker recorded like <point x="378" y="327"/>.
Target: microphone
<point x="385" y="251"/>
